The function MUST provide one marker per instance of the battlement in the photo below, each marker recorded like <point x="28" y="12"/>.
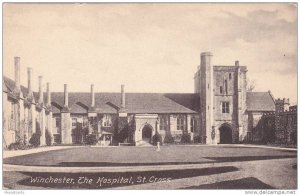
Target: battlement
<point x="282" y="101"/>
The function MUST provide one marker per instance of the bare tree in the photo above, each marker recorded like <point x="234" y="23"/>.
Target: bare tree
<point x="250" y="84"/>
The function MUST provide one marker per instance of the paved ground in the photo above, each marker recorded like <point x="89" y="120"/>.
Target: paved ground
<point x="204" y="167"/>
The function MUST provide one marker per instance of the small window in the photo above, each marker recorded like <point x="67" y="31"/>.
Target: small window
<point x="208" y="86"/>
<point x="221" y="89"/>
<point x="225" y="107"/>
<point x="57" y="122"/>
<point x="74" y="122"/>
<point x="180" y="123"/>
<point x="193" y="124"/>
<point x="229" y="76"/>
<point x="106" y="120"/>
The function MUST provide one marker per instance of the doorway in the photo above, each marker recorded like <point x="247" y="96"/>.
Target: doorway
<point x="225" y="134"/>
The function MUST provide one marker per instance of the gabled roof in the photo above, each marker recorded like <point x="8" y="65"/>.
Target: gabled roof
<point x="135" y="102"/>
<point x="260" y="101"/>
<point x="10" y="86"/>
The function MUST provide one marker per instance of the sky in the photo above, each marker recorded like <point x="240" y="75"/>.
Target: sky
<point x="152" y="47"/>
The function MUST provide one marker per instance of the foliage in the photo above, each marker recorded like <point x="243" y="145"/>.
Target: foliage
<point x="294" y="137"/>
<point x="35" y="139"/>
<point x="157" y="138"/>
<point x="197" y="139"/>
<point x="18" y="146"/>
<point x="250" y="84"/>
<point x="168" y="138"/>
<point x="186" y="138"/>
<point x="91" y="139"/>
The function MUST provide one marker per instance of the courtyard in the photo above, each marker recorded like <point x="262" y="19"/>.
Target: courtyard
<point x="173" y="167"/>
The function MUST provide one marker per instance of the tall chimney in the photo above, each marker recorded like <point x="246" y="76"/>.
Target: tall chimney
<point x="92" y="96"/>
<point x="17" y="74"/>
<point x="41" y="95"/>
<point x="123" y="97"/>
<point x="29" y="74"/>
<point x="66" y="95"/>
<point x="48" y="95"/>
<point x="237" y="63"/>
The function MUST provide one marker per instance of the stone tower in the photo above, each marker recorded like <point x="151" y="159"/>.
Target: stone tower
<point x="206" y="97"/>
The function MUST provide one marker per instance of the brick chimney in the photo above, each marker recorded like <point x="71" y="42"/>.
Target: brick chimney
<point x="17" y="75"/>
<point x="48" y="95"/>
<point x="66" y="95"/>
<point x="41" y="95"/>
<point x="123" y="103"/>
<point x="92" y="96"/>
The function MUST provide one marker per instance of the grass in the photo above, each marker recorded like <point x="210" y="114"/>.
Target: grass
<point x="116" y="156"/>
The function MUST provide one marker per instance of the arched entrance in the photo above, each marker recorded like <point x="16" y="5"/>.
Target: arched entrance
<point x="225" y="134"/>
<point x="147" y="133"/>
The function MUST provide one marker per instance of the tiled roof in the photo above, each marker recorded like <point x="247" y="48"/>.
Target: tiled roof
<point x="260" y="101"/>
<point x="135" y="102"/>
<point x="10" y="85"/>
<point x="79" y="102"/>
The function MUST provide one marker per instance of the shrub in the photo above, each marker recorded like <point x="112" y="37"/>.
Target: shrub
<point x="18" y="146"/>
<point x="48" y="138"/>
<point x="91" y="139"/>
<point x="186" y="138"/>
<point x="157" y="138"/>
<point x="35" y="139"/>
<point x="168" y="138"/>
<point x="197" y="139"/>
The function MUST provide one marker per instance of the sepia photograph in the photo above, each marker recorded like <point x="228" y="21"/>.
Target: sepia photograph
<point x="149" y="96"/>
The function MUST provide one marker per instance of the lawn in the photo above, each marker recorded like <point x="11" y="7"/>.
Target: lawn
<point x="130" y="156"/>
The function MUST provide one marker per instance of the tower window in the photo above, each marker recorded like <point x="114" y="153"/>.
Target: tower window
<point x="225" y="107"/>
<point x="221" y="89"/>
<point x="229" y="76"/>
<point x="208" y="86"/>
<point x="226" y="87"/>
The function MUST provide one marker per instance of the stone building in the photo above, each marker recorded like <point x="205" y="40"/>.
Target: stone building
<point x="220" y="111"/>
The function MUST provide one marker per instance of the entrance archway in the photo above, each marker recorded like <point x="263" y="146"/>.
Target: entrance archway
<point x="225" y="134"/>
<point x="147" y="133"/>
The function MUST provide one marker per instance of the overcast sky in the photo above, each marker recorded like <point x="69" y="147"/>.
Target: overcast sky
<point x="150" y="47"/>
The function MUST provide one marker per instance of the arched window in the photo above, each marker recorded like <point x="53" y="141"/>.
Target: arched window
<point x="229" y="76"/>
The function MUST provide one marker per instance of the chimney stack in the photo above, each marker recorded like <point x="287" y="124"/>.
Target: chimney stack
<point x="92" y="96"/>
<point x="29" y="74"/>
<point x="48" y="95"/>
<point x="123" y="97"/>
<point x="17" y="74"/>
<point x="237" y="63"/>
<point x="66" y="95"/>
<point x="41" y="95"/>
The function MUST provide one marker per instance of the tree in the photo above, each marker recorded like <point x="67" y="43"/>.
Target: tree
<point x="250" y="84"/>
